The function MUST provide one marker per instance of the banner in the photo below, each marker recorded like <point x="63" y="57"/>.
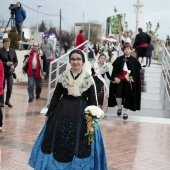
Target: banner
<point x="116" y="26"/>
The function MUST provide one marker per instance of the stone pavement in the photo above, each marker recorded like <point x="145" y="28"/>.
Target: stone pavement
<point x="130" y="144"/>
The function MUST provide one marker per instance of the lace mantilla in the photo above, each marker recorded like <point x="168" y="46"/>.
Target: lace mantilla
<point x="103" y="69"/>
<point x="78" y="86"/>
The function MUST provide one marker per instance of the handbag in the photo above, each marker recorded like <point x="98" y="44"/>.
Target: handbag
<point x="25" y="67"/>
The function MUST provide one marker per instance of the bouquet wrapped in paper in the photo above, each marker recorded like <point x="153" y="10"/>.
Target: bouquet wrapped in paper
<point x="129" y="78"/>
<point x="93" y="115"/>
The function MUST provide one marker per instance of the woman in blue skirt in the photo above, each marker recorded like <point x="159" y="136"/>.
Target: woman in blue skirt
<point x="62" y="143"/>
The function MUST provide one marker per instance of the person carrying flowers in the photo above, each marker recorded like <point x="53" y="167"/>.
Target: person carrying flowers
<point x="126" y="89"/>
<point x="65" y="141"/>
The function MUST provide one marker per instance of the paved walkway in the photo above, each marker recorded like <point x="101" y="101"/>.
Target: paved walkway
<point x="130" y="145"/>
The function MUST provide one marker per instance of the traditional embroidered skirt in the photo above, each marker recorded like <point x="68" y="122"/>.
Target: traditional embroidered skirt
<point x="62" y="144"/>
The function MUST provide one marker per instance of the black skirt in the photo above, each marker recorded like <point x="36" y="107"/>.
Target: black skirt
<point x="65" y="132"/>
<point x="100" y="90"/>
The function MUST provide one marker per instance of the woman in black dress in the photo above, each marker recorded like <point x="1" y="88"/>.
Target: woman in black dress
<point x="62" y="144"/>
<point x="99" y="69"/>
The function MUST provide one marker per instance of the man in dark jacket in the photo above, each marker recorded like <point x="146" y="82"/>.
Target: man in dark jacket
<point x="141" y="41"/>
<point x="20" y="16"/>
<point x="96" y="48"/>
<point x="66" y="47"/>
<point x="10" y="61"/>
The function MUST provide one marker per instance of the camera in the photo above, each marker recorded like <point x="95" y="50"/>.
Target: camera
<point x="12" y="6"/>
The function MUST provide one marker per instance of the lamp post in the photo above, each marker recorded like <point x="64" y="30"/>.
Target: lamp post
<point x="138" y="9"/>
<point x="38" y="6"/>
<point x="126" y="26"/>
<point x="167" y="40"/>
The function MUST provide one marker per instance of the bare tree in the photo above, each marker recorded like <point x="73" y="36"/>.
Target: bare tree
<point x="95" y="31"/>
<point x="66" y="36"/>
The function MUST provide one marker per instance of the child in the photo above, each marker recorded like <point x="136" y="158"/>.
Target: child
<point x="149" y="54"/>
<point x="126" y="90"/>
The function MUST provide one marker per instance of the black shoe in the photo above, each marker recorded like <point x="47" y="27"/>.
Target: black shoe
<point x="119" y="112"/>
<point x="125" y="116"/>
<point x="30" y="100"/>
<point x="37" y="97"/>
<point x="8" y="104"/>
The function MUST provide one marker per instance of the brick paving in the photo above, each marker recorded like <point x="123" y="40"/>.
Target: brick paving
<point x="129" y="145"/>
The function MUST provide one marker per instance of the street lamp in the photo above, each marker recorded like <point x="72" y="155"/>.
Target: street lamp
<point x="167" y="40"/>
<point x="38" y="6"/>
<point x="115" y="9"/>
<point x="138" y="9"/>
<point x="126" y="26"/>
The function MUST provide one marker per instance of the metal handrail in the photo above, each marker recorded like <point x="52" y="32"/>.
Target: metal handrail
<point x="60" y="62"/>
<point x="166" y="69"/>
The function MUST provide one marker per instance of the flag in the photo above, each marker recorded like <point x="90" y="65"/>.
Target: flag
<point x="116" y="24"/>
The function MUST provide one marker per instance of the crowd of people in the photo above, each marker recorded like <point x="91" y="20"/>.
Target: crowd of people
<point x="62" y="143"/>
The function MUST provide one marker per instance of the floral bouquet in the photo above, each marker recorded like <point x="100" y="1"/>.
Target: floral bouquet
<point x="129" y="78"/>
<point x="93" y="115"/>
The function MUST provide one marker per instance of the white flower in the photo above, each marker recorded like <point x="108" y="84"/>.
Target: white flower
<point x="95" y="111"/>
<point x="129" y="78"/>
<point x="92" y="115"/>
<point x="127" y="75"/>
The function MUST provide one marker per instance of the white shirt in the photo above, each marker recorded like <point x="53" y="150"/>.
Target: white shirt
<point x="34" y="61"/>
<point x="126" y="40"/>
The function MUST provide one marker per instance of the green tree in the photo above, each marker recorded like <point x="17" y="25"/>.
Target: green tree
<point x="13" y="36"/>
<point x="42" y="27"/>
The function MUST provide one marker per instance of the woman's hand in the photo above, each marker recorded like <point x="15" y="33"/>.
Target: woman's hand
<point x="117" y="80"/>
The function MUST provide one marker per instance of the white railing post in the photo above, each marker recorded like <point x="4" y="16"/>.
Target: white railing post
<point x="49" y="84"/>
<point x="57" y="71"/>
<point x="166" y="70"/>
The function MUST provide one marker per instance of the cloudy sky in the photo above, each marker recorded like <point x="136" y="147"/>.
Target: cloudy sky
<point x="94" y="10"/>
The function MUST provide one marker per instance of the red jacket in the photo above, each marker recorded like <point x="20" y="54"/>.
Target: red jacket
<point x="38" y="67"/>
<point x="1" y="78"/>
<point x="80" y="40"/>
